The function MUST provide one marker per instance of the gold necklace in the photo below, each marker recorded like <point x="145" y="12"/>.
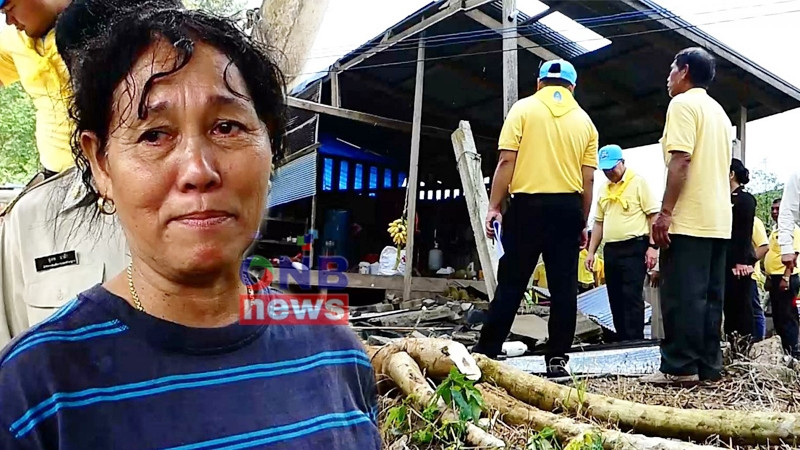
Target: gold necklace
<point x="135" y="295"/>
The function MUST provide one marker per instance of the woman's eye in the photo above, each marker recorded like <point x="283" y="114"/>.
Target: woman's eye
<point x="152" y="136"/>
<point x="227" y="128"/>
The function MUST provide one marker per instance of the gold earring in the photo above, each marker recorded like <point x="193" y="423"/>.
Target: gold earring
<point x="106" y="206"/>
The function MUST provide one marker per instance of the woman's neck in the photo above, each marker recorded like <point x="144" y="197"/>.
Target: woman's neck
<point x="734" y="186"/>
<point x="214" y="303"/>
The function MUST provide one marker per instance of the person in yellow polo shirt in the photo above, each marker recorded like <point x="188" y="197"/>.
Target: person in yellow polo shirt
<point x="760" y="242"/>
<point x="694" y="224"/>
<point x="548" y="155"/>
<point x="28" y="54"/>
<point x="625" y="209"/>
<point x="784" y="284"/>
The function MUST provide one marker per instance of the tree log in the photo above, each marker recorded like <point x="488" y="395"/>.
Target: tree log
<point x="438" y="356"/>
<point x="406" y="374"/>
<point x="745" y="427"/>
<point x="515" y="412"/>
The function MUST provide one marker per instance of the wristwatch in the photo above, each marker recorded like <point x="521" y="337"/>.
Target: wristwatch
<point x="653" y="246"/>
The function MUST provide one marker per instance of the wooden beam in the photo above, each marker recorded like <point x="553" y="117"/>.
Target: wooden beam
<point x="452" y="7"/>
<point x="489" y="22"/>
<point x="468" y="162"/>
<point x="741" y="130"/>
<point x="336" y="93"/>
<point x="510" y="68"/>
<point x="413" y="169"/>
<point x="371" y="119"/>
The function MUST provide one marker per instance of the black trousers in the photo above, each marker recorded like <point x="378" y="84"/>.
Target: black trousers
<point x="692" y="288"/>
<point x="784" y="312"/>
<point x="625" y="273"/>
<point x="537" y="224"/>
<point x="738" y="304"/>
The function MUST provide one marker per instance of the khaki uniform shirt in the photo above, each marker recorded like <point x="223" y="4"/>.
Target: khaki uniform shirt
<point x="51" y="250"/>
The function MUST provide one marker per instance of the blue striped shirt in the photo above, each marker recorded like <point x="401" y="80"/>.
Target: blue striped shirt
<point x="99" y="374"/>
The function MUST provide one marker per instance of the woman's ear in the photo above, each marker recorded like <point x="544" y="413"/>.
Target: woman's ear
<point x="98" y="161"/>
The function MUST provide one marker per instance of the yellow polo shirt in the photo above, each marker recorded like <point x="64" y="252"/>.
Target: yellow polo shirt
<point x="626" y="218"/>
<point x="584" y="276"/>
<point x="36" y="64"/>
<point x="772" y="262"/>
<point x="697" y="124"/>
<point x="758" y="239"/>
<point x="540" y="276"/>
<point x="553" y="138"/>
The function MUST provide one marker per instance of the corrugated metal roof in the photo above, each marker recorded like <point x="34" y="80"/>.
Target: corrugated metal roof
<point x="293" y="181"/>
<point x="627" y="361"/>
<point x="595" y="305"/>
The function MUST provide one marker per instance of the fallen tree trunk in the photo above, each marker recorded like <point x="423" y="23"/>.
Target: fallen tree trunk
<point x="515" y="412"/>
<point x="406" y="374"/>
<point x="746" y="427"/>
<point x="439" y="355"/>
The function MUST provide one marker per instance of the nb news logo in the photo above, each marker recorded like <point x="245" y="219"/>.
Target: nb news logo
<point x="297" y="305"/>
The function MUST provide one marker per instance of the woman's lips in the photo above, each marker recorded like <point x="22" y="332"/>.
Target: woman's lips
<point x="205" y="219"/>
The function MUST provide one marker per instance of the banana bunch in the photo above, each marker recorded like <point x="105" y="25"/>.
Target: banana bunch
<point x="398" y="231"/>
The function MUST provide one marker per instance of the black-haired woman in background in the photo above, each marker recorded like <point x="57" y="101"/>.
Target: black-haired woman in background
<point x="741" y="259"/>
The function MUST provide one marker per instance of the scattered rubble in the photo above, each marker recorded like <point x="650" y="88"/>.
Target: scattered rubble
<point x="459" y="313"/>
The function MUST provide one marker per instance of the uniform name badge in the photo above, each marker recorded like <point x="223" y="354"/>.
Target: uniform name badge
<point x="69" y="258"/>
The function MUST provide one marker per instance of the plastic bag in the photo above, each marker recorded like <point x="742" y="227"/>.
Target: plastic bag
<point x="388" y="262"/>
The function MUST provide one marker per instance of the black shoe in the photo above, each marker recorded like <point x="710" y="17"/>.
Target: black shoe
<point x="477" y="349"/>
<point x="557" y="368"/>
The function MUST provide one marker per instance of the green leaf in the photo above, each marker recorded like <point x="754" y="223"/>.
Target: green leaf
<point x="464" y="408"/>
<point x="424" y="436"/>
<point x="547" y="433"/>
<point x="430" y="412"/>
<point x="476" y="413"/>
<point x="396" y="418"/>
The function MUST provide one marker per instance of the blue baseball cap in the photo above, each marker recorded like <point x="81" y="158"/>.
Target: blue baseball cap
<point x="557" y="69"/>
<point x="609" y="156"/>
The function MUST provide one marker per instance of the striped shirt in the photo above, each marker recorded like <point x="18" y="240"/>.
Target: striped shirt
<point x="99" y="374"/>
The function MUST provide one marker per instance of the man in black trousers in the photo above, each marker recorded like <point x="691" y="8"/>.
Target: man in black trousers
<point x="548" y="155"/>
<point x="694" y="225"/>
<point x="625" y="209"/>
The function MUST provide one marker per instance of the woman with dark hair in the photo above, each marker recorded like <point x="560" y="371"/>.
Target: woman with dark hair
<point x="741" y="259"/>
<point x="178" y="116"/>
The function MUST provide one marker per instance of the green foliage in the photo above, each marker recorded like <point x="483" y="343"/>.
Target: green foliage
<point x="397" y="418"/>
<point x="457" y="390"/>
<point x="588" y="441"/>
<point x="765" y="188"/>
<point x="19" y="159"/>
<point x="543" y="440"/>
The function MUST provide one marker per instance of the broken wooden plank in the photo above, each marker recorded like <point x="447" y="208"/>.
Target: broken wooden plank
<point x="469" y="169"/>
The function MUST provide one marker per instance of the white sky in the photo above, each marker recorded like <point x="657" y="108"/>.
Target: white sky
<point x="769" y="40"/>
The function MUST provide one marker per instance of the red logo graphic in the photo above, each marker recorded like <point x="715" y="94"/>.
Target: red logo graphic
<point x="294" y="309"/>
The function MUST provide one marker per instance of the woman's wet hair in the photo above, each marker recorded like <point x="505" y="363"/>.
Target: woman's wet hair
<point x="106" y="63"/>
<point x="740" y="172"/>
<point x="83" y="21"/>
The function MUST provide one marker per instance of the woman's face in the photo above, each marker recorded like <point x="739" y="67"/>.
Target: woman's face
<point x="190" y="180"/>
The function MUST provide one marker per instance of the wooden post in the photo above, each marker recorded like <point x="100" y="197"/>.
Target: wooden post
<point x="741" y="129"/>
<point x="469" y="168"/>
<point x="336" y="94"/>
<point x="416" y="129"/>
<point x="311" y="230"/>
<point x="510" y="71"/>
